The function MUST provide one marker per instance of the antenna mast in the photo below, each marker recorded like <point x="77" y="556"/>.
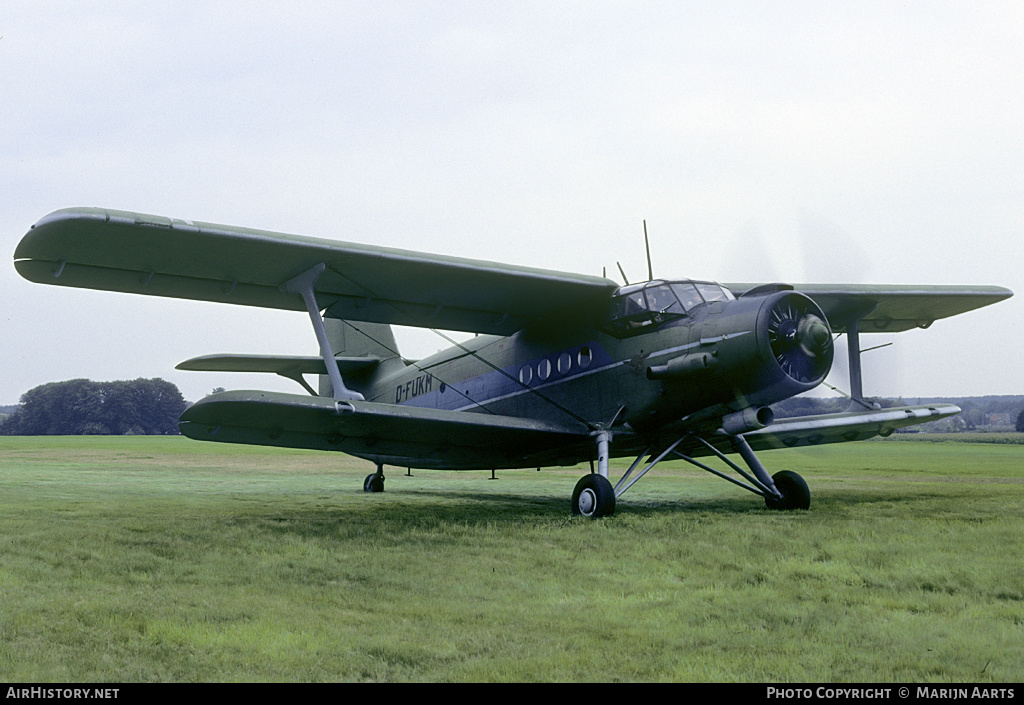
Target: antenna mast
<point x="647" y="244"/>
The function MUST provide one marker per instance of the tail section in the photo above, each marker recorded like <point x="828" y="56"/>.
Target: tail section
<point x="358" y="339"/>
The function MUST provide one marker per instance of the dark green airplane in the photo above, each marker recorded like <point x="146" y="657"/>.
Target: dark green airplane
<point x="565" y="368"/>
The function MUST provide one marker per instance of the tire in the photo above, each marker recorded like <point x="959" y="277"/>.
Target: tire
<point x="373" y="483"/>
<point x="795" y="494"/>
<point x="593" y="497"/>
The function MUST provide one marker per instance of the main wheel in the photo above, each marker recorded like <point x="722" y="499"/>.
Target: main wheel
<point x="593" y="497"/>
<point x="795" y="494"/>
<point x="373" y="483"/>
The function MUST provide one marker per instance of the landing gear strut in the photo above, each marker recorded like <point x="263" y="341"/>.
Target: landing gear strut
<point x="595" y="497"/>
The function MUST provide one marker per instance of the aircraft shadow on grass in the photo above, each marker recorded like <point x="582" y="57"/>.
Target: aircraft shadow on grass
<point x="409" y="508"/>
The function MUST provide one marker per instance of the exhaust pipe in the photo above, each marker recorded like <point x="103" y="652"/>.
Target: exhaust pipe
<point x="750" y="419"/>
<point x="683" y="366"/>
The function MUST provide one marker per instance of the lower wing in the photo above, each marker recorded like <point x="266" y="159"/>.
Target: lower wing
<point x="385" y="433"/>
<point x="845" y="427"/>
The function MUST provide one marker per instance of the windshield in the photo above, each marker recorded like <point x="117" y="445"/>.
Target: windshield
<point x="640" y="305"/>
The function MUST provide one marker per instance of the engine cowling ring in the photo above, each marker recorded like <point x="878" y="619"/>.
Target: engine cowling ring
<point x="795" y="339"/>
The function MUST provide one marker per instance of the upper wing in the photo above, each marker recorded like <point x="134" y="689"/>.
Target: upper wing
<point x="131" y="252"/>
<point x="144" y="254"/>
<point x="892" y="309"/>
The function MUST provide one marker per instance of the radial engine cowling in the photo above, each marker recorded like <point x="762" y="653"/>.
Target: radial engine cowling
<point x="798" y="336"/>
<point x="759" y="349"/>
<point x="794" y="343"/>
<point x="746" y="353"/>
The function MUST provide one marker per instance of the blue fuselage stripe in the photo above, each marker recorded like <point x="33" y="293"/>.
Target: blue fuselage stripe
<point x="430" y="391"/>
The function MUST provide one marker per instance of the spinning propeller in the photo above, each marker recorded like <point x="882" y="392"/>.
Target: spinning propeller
<point x="800" y="339"/>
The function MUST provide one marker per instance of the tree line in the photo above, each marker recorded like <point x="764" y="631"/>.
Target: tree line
<point x="152" y="407"/>
<point x="83" y="407"/>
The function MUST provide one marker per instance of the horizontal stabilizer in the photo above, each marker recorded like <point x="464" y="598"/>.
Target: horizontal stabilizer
<point x="386" y="433"/>
<point x="284" y="365"/>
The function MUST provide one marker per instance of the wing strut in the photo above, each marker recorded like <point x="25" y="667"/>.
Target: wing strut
<point x="853" y="351"/>
<point x="303" y="285"/>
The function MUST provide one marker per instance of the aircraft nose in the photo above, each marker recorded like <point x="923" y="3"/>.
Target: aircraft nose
<point x="814" y="335"/>
<point x="799" y="337"/>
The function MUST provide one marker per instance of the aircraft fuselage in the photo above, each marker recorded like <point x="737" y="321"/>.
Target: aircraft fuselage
<point x="639" y="376"/>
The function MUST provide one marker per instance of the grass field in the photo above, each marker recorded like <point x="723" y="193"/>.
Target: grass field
<point x="160" y="559"/>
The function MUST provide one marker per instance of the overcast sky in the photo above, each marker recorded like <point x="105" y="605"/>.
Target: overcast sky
<point x="864" y="142"/>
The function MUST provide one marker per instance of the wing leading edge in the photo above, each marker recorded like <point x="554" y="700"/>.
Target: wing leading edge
<point x="143" y="254"/>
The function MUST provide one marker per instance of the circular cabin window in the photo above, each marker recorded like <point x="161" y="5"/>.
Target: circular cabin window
<point x="525" y="374"/>
<point x="585" y="357"/>
<point x="544" y="369"/>
<point x="564" y="363"/>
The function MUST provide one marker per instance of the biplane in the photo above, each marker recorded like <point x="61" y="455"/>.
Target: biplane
<point x="564" y="368"/>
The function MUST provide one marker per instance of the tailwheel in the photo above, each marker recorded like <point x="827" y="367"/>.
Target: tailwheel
<point x="795" y="494"/>
<point x="375" y="481"/>
<point x="593" y="497"/>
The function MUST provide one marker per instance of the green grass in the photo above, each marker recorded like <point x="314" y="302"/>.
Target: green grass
<point x="161" y="559"/>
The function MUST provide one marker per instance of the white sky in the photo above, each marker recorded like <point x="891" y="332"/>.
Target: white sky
<point x="874" y="142"/>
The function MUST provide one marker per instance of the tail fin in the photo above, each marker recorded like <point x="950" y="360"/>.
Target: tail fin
<point x="361" y="339"/>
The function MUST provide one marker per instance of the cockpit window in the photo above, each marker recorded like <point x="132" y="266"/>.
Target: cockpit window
<point x="713" y="292"/>
<point x="641" y="305"/>
<point x="687" y="294"/>
<point x="627" y="305"/>
<point x="660" y="299"/>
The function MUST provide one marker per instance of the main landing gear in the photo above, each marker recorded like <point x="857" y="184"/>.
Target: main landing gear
<point x="595" y="497"/>
<point x="793" y="492"/>
<point x="375" y="482"/>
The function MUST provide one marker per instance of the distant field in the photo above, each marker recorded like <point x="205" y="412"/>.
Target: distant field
<point x="1008" y="437"/>
<point x="131" y="559"/>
